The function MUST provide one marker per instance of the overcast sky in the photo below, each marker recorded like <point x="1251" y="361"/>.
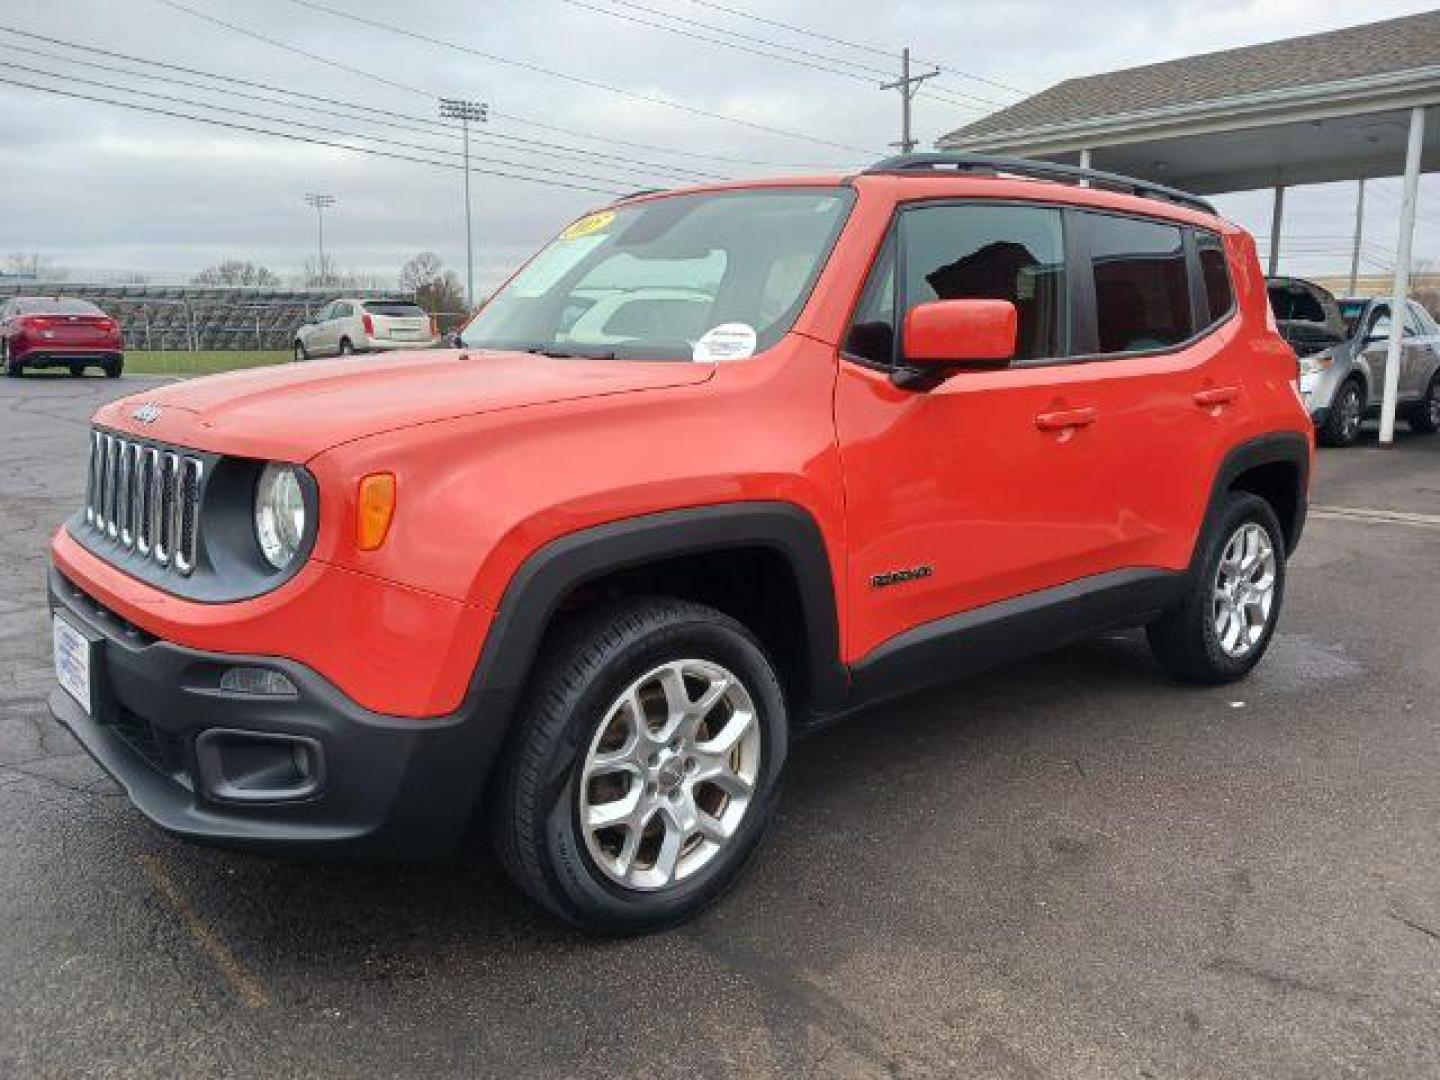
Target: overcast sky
<point x="102" y="189"/>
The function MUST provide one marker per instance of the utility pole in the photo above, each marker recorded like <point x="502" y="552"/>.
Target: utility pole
<point x="1359" y="228"/>
<point x="320" y="202"/>
<point x="465" y="111"/>
<point x="907" y="84"/>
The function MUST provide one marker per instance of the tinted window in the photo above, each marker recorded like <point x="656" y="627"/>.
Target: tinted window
<point x="1142" y="290"/>
<point x="1295" y="303"/>
<point x="1014" y="253"/>
<point x="48" y="306"/>
<point x="872" y="331"/>
<point x="1413" y="327"/>
<point x="1214" y="274"/>
<point x="393" y="309"/>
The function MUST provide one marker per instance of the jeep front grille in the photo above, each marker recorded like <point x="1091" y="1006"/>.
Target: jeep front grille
<point x="145" y="498"/>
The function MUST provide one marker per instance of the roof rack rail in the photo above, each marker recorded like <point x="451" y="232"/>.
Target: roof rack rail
<point x="906" y="164"/>
<point x="642" y="191"/>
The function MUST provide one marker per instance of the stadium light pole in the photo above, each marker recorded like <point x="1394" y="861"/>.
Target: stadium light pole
<point x="320" y="202"/>
<point x="465" y="111"/>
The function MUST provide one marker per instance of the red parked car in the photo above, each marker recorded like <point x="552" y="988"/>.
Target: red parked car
<point x="716" y="467"/>
<point x="46" y="332"/>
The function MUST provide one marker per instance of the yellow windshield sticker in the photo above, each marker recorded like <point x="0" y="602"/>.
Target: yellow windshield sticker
<point x="592" y="223"/>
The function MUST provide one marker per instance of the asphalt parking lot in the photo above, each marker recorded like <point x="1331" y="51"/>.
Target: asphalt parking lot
<point x="1070" y="868"/>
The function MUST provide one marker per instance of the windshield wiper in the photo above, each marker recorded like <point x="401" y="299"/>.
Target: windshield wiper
<point x="561" y="354"/>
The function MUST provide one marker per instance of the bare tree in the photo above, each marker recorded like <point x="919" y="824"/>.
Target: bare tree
<point x="34" y="265"/>
<point x="236" y="272"/>
<point x="435" y="288"/>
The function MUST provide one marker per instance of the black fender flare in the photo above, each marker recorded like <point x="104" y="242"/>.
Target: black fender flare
<point x="549" y="574"/>
<point x="1280" y="447"/>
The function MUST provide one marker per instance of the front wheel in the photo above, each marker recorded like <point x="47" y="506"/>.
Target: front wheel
<point x="300" y="354"/>
<point x="1425" y="418"/>
<point x="1342" y="425"/>
<point x="1223" y="625"/>
<point x="13" y="367"/>
<point x="644" y="767"/>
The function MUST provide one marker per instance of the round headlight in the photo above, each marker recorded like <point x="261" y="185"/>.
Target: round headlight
<point x="279" y="514"/>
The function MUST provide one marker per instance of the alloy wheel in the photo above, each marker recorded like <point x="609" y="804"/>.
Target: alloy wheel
<point x="1243" y="594"/>
<point x="1350" y="410"/>
<point x="670" y="774"/>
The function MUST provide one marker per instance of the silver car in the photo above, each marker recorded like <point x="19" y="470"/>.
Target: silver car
<point x="354" y="325"/>
<point x="1342" y="346"/>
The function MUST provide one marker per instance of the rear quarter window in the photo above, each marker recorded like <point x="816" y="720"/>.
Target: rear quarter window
<point x="1214" y="275"/>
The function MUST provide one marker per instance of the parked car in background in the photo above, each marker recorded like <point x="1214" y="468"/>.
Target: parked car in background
<point x="930" y="419"/>
<point x="354" y="325"/>
<point x="46" y="332"/>
<point x="1343" y="345"/>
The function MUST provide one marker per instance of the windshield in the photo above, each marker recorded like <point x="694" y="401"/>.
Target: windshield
<point x="710" y="276"/>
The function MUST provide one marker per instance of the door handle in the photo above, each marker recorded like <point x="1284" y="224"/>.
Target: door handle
<point x="1066" y="418"/>
<point x="1220" y="395"/>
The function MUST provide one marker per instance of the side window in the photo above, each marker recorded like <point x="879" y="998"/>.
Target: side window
<point x="1413" y="327"/>
<point x="872" y="331"/>
<point x="342" y="311"/>
<point x="980" y="252"/>
<point x="1142" y="290"/>
<point x="1214" y="275"/>
<point x="1379" y="324"/>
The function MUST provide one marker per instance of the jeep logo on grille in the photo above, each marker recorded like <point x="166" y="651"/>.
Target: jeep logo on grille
<point x="147" y="413"/>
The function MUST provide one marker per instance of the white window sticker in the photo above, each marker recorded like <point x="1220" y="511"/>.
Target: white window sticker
<point x="728" y="341"/>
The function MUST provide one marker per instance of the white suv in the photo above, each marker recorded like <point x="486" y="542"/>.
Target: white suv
<point x="348" y="326"/>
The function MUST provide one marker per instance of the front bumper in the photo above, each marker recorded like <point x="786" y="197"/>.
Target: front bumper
<point x="395" y="344"/>
<point x="388" y="787"/>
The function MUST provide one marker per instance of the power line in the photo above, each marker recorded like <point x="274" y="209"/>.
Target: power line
<point x="525" y="65"/>
<point x="371" y="151"/>
<point x="322" y="128"/>
<point x="870" y="72"/>
<point x="415" y="90"/>
<point x="877" y="50"/>
<point x="436" y="128"/>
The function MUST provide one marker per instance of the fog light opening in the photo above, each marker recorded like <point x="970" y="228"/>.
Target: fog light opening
<point x="257" y="682"/>
<point x="259" y="766"/>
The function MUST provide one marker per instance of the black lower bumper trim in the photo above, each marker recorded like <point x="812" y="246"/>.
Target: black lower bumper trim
<point x="393" y="787"/>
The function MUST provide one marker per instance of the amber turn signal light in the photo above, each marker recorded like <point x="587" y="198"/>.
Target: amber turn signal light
<point x="376" y="508"/>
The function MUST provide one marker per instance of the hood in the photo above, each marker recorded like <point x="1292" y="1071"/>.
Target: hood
<point x="291" y="412"/>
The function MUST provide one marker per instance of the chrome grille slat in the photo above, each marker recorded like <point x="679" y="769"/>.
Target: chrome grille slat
<point x="145" y="498"/>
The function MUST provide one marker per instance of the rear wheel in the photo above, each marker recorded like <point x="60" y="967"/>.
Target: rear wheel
<point x="1342" y="426"/>
<point x="346" y="349"/>
<point x="11" y="365"/>
<point x="644" y="767"/>
<point x="76" y="370"/>
<point x="1223" y="626"/>
<point x="1425" y="417"/>
<point x="114" y="367"/>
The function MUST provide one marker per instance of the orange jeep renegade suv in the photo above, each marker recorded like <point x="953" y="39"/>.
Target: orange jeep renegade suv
<point x="715" y="467"/>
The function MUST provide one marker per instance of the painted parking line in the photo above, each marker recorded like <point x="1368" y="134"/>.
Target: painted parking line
<point x="1375" y="517"/>
<point x="242" y="984"/>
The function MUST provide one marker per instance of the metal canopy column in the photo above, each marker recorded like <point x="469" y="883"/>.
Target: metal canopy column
<point x="1277" y="217"/>
<point x="1402" y="274"/>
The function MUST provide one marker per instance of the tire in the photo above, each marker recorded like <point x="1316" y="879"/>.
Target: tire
<point x="13" y="367"/>
<point x="1347" y="412"/>
<point x="1425" y="416"/>
<point x="575" y="709"/>
<point x="346" y="349"/>
<point x="77" y="370"/>
<point x="1187" y="641"/>
<point x="300" y="354"/>
<point x="113" y="368"/>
